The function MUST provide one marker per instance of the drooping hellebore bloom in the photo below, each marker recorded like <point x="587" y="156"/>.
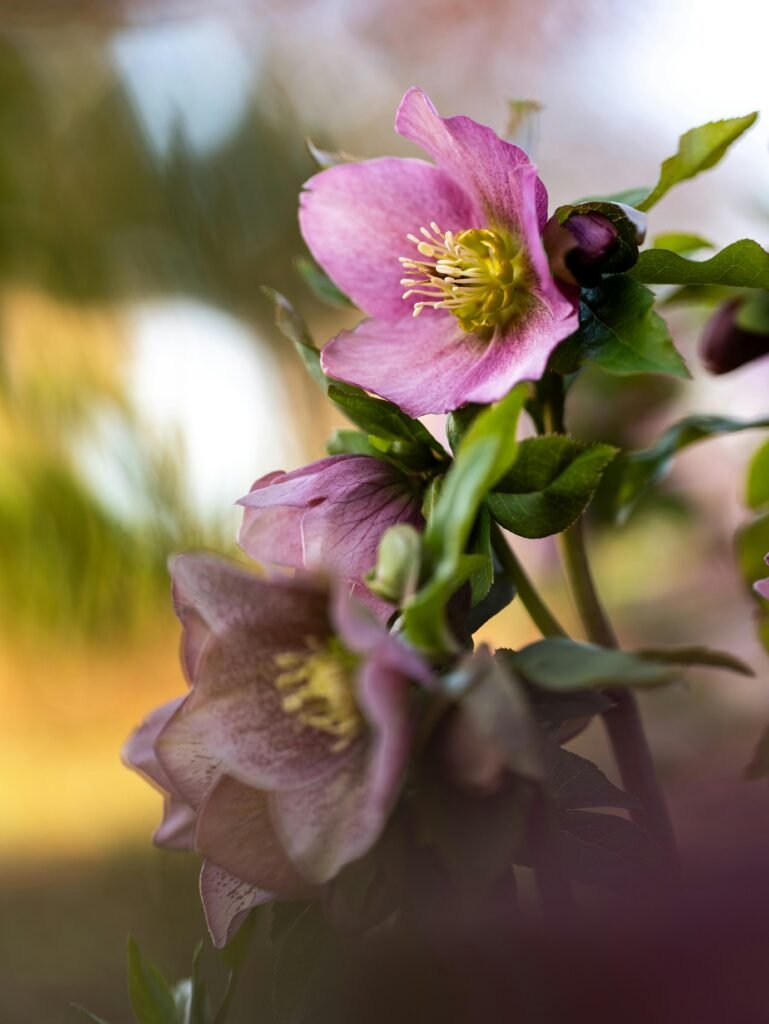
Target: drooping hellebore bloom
<point x="284" y="760"/>
<point x="446" y="259"/>
<point x="726" y="345"/>
<point x="329" y="515"/>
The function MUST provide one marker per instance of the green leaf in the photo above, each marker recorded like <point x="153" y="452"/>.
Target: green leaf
<point x="636" y="472"/>
<point x="681" y="242"/>
<point x="753" y="313"/>
<point x="759" y="763"/>
<point x="480" y="544"/>
<point x="554" y="708"/>
<point x="757" y="484"/>
<point x="606" y="850"/>
<point x="487" y="451"/>
<point x="550" y="485"/>
<point x="620" y="332"/>
<point x="629" y="196"/>
<point x="151" y="996"/>
<point x="351" y="442"/>
<point x="573" y="782"/>
<point x="560" y="664"/>
<point x="742" y="264"/>
<point x="698" y="150"/>
<point x="298" y="963"/>
<point x="293" y="327"/>
<point x="701" y="656"/>
<point x="379" y="418"/>
<point x="320" y="284"/>
<point x="88" y="1014"/>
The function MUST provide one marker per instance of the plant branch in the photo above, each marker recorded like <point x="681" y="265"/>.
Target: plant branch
<point x="540" y="614"/>
<point x="623" y="721"/>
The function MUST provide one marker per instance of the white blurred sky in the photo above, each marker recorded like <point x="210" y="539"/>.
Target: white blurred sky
<point x="621" y="79"/>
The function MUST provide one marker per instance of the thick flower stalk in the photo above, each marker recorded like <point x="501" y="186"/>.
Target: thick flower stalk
<point x="446" y="259"/>
<point x="329" y="515"/>
<point x="284" y="760"/>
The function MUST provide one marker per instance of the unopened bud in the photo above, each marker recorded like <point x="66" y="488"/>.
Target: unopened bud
<point x="396" y="574"/>
<point x="594" y="239"/>
<point x="726" y="344"/>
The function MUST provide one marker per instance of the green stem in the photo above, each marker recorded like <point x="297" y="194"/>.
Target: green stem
<point x="540" y="614"/>
<point x="623" y="722"/>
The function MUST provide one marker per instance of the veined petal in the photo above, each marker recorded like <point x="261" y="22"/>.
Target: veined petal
<point x="234" y="719"/>
<point x="486" y="166"/>
<point x="355" y="218"/>
<point x="139" y="749"/>
<point x="185" y="758"/>
<point x="235" y="832"/>
<point x="330" y="514"/>
<point x="325" y="826"/>
<point x="227" y="596"/>
<point x="226" y="902"/>
<point x="429" y="364"/>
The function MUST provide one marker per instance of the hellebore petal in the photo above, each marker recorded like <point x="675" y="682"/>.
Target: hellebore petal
<point x="363" y="634"/>
<point x="235" y="832"/>
<point x="185" y="758"/>
<point x="473" y="154"/>
<point x="725" y="345"/>
<point x="235" y="715"/>
<point x="355" y="218"/>
<point x="430" y="364"/>
<point x="176" y="828"/>
<point x="330" y="514"/>
<point x="226" y="902"/>
<point x="226" y="596"/>
<point x="485" y="310"/>
<point x="139" y="749"/>
<point x="326" y="826"/>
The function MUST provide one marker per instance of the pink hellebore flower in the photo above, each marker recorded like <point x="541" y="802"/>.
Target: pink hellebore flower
<point x="456" y="245"/>
<point x="329" y="515"/>
<point x="284" y="760"/>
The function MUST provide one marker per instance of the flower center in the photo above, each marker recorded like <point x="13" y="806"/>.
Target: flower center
<point x="318" y="689"/>
<point x="482" y="276"/>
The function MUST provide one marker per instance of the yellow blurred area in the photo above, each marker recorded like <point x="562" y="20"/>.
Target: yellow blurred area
<point x="66" y="714"/>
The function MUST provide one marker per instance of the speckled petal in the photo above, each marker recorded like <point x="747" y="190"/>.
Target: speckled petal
<point x="325" y="826"/>
<point x="226" y="902"/>
<point x="234" y="717"/>
<point x="235" y="832"/>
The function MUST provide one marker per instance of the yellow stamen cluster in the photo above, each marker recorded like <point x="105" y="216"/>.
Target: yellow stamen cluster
<point x="318" y="689"/>
<point x="482" y="276"/>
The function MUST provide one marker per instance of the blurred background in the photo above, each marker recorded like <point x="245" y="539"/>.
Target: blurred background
<point x="150" y="162"/>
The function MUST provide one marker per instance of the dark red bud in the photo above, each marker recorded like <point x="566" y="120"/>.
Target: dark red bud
<point x="726" y="345"/>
